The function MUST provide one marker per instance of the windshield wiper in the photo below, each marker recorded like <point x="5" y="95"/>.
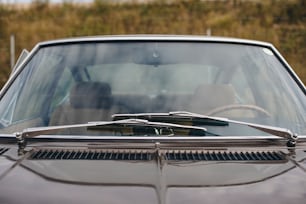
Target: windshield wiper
<point x="179" y="117"/>
<point x="159" y="128"/>
<point x="183" y="116"/>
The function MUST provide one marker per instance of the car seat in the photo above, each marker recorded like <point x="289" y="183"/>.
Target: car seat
<point x="88" y="101"/>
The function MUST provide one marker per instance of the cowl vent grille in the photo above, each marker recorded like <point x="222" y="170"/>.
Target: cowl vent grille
<point x="224" y="156"/>
<point x="86" y="154"/>
<point x="3" y="150"/>
<point x="147" y="155"/>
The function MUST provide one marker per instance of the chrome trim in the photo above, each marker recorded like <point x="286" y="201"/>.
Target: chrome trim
<point x="190" y="38"/>
<point x="18" y="69"/>
<point x="160" y="138"/>
<point x="302" y="137"/>
<point x="289" y="69"/>
<point x="150" y="142"/>
<point x="172" y="138"/>
<point x="7" y="135"/>
<point x="164" y="142"/>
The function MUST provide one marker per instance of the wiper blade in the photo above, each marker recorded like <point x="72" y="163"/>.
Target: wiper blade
<point x="158" y="127"/>
<point x="183" y="116"/>
<point x="179" y="117"/>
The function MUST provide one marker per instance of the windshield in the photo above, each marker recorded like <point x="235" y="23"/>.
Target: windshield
<point x="82" y="82"/>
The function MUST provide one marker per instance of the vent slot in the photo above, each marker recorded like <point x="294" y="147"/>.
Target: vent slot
<point x="203" y="155"/>
<point x="3" y="150"/>
<point x="145" y="155"/>
<point x="60" y="154"/>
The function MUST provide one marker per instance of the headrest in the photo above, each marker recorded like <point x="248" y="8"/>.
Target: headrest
<point x="90" y="95"/>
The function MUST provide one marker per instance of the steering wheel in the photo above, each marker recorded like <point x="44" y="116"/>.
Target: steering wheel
<point x="239" y="106"/>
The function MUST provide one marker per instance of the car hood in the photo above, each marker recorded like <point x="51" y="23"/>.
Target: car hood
<point x="40" y="177"/>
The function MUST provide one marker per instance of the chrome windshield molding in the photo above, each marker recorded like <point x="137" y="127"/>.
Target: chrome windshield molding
<point x="18" y="69"/>
<point x="149" y="142"/>
<point x="7" y="135"/>
<point x="10" y="138"/>
<point x="187" y="38"/>
<point x="161" y="138"/>
<point x="302" y="136"/>
<point x="289" y="69"/>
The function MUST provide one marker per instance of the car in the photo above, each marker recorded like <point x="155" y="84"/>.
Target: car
<point x="153" y="119"/>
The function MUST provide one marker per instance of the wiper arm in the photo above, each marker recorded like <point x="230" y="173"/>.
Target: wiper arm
<point x="183" y="116"/>
<point x="158" y="127"/>
<point x="277" y="131"/>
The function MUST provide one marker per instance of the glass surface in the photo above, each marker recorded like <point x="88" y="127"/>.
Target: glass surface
<point x="83" y="82"/>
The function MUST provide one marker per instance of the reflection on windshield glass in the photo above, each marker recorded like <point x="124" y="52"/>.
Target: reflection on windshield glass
<point x="78" y="83"/>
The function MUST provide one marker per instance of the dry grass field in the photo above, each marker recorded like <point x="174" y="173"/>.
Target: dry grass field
<point x="281" y="22"/>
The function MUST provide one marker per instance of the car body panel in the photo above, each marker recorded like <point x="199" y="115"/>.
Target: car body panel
<point x="117" y="181"/>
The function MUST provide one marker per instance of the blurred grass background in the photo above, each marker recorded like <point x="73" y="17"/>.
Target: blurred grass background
<point x="281" y="22"/>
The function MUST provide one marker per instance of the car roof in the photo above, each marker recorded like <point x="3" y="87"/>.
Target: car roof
<point x="169" y="38"/>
